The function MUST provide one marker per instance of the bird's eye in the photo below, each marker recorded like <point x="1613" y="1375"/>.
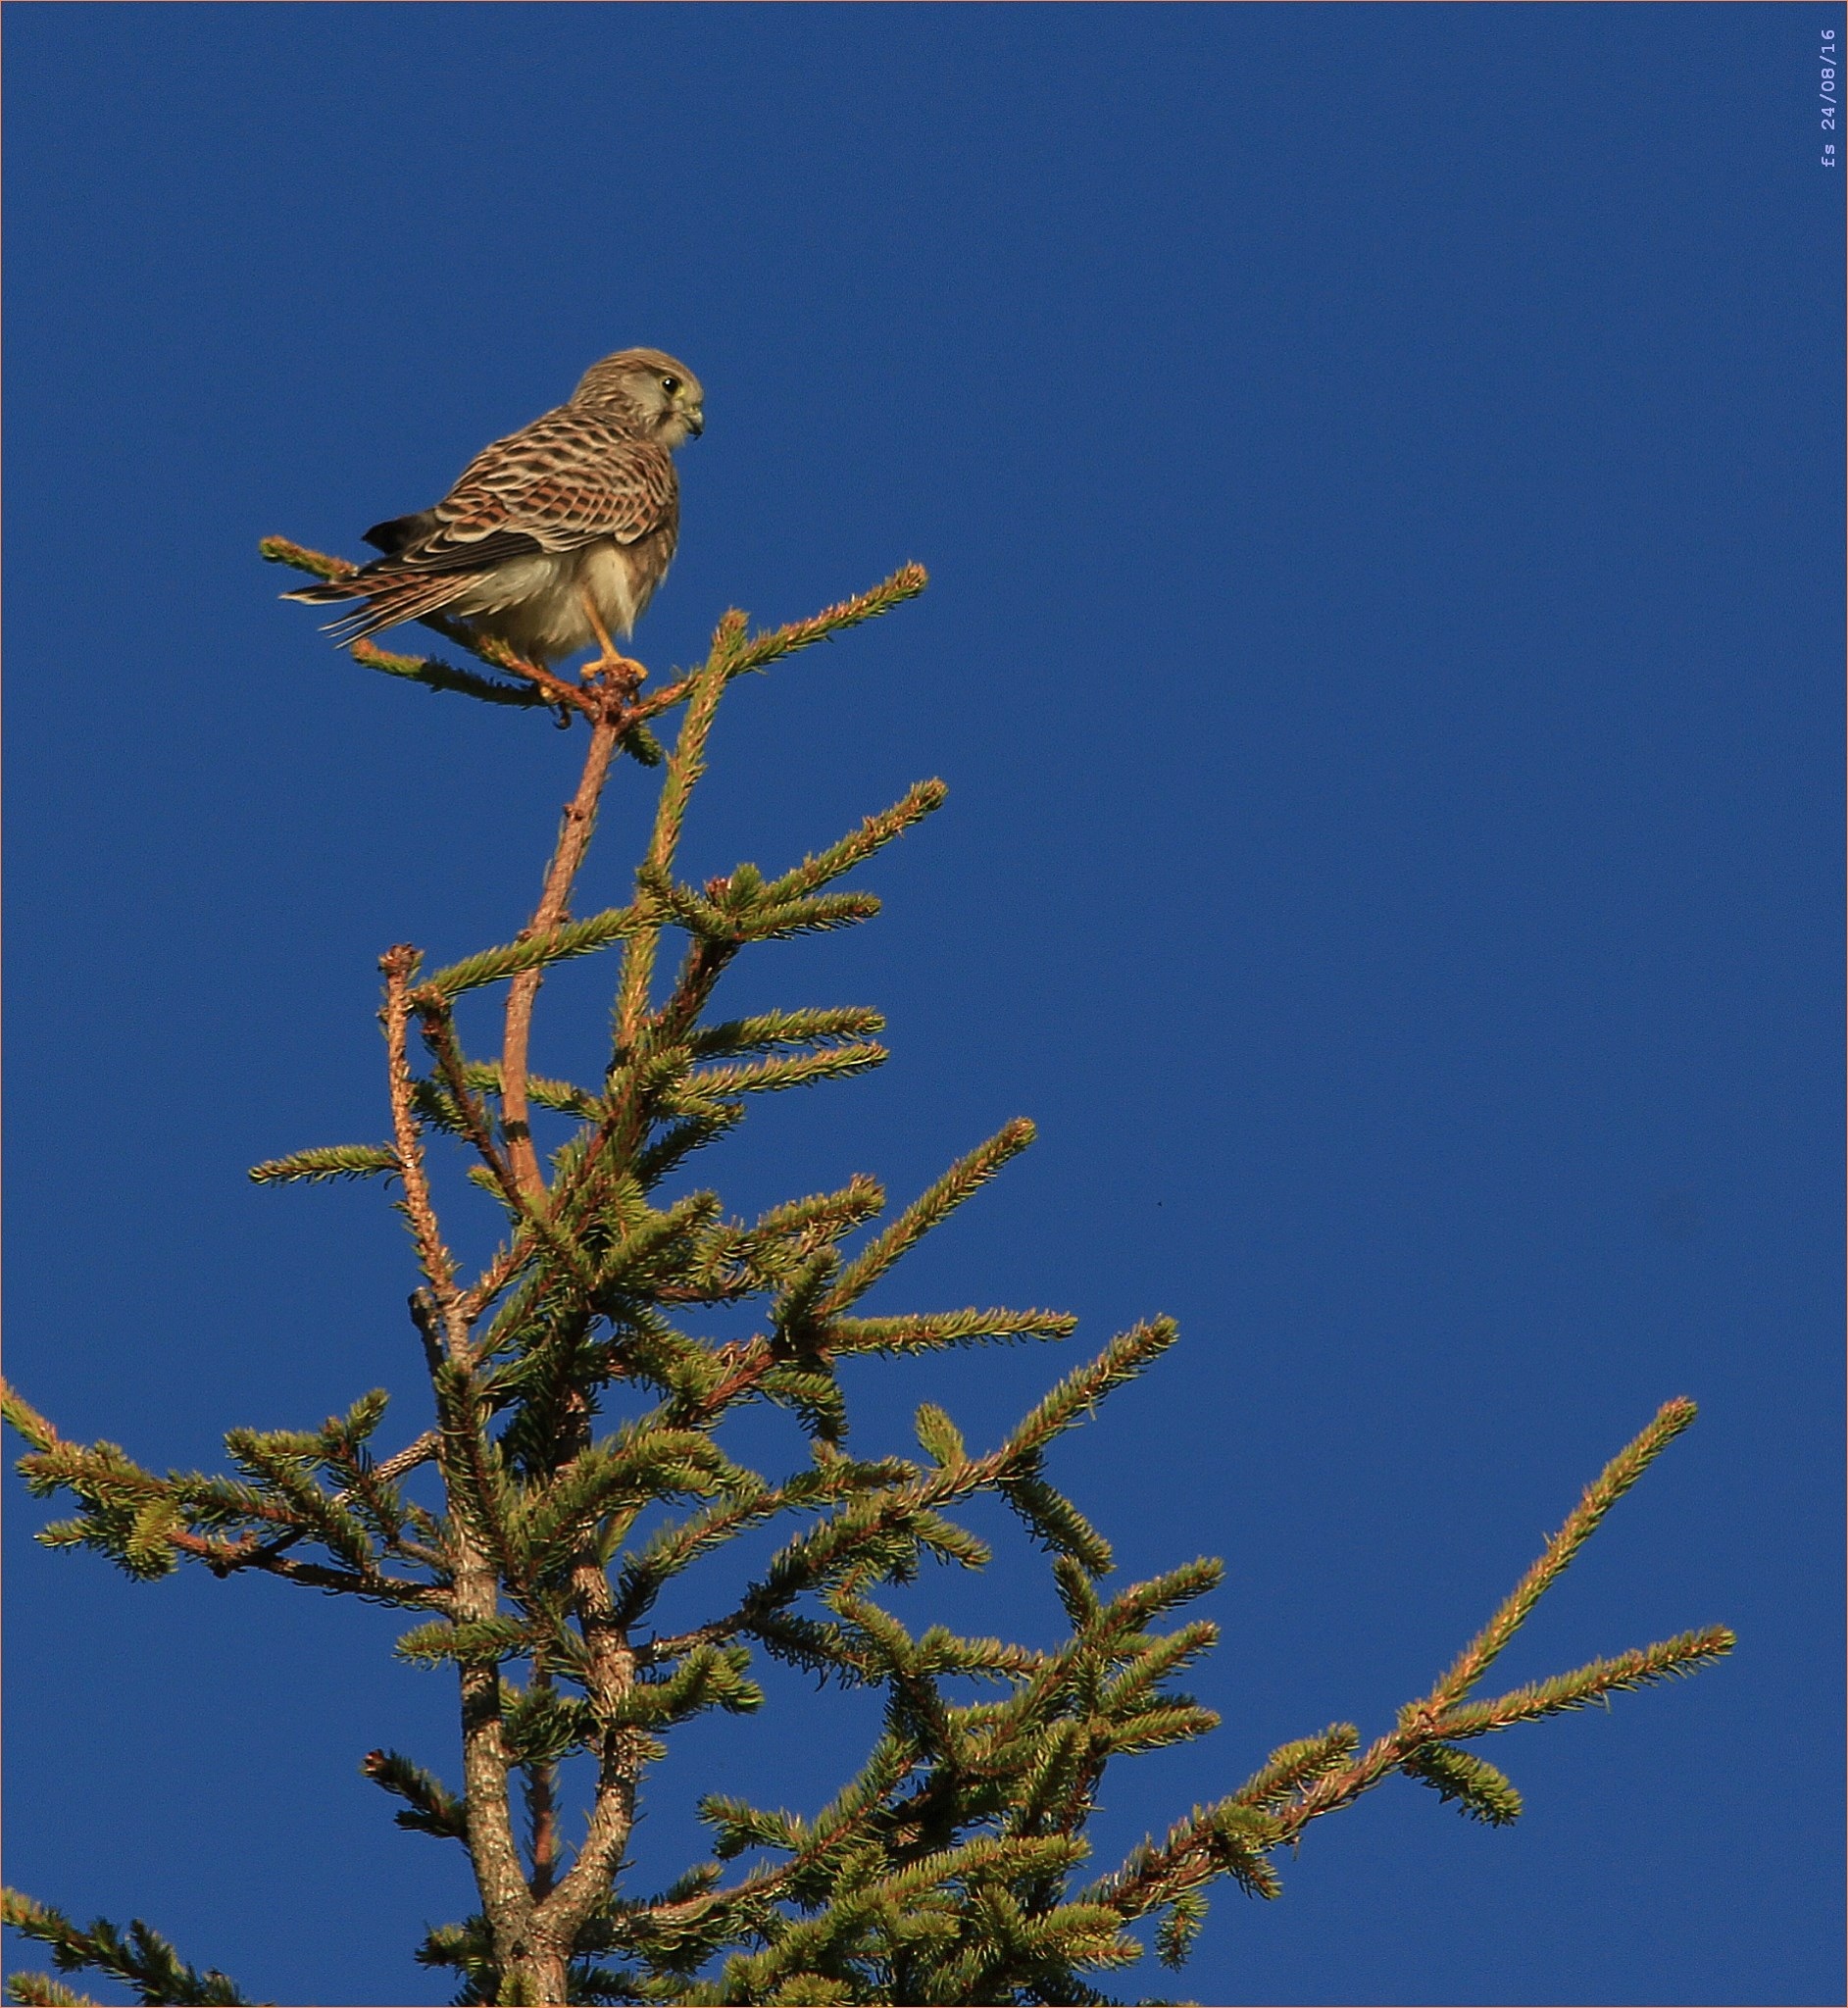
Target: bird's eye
<point x="669" y="384"/>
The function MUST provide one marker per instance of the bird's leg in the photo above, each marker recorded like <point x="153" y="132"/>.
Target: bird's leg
<point x="612" y="663"/>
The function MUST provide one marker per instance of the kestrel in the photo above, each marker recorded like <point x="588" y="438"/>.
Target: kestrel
<point x="553" y="537"/>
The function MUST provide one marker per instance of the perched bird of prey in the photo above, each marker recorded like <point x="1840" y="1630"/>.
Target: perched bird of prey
<point x="553" y="537"/>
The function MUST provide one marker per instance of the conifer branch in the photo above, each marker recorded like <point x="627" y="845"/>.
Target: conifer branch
<point x="138" y="1957"/>
<point x="437" y="675"/>
<point x="419" y="1450"/>
<point x="1610" y="1486"/>
<point x="921" y="1332"/>
<point x="1592" y="1683"/>
<point x="537" y="951"/>
<point x="438" y="1027"/>
<point x="1479" y="1790"/>
<point x="529" y="1207"/>
<point x="1294" y="1766"/>
<point x="873" y="835"/>
<point x="1079" y="1392"/>
<point x="564" y="1096"/>
<point x="928" y="1210"/>
<point x="317" y="564"/>
<point x="333" y="1161"/>
<point x="1443" y="1718"/>
<point x="40" y="1991"/>
<point x="685" y="767"/>
<point x="757" y="653"/>
<point x="37" y="1429"/>
<point x="798" y="1070"/>
<point x="770" y="1030"/>
<point x="433" y="1808"/>
<point x="743" y="655"/>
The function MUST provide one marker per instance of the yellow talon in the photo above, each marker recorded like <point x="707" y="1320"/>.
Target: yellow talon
<point x="612" y="663"/>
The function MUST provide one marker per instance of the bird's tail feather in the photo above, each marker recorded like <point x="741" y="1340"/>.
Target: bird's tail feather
<point x="384" y="602"/>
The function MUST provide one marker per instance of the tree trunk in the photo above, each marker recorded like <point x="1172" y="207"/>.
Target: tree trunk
<point x="534" y="1980"/>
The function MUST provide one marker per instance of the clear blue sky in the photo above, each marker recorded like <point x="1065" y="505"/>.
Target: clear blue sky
<point x="1379" y="468"/>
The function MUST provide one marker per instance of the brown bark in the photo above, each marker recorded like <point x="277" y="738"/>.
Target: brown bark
<point x="573" y="839"/>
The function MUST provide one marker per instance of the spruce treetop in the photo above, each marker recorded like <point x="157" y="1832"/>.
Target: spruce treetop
<point x="577" y="1578"/>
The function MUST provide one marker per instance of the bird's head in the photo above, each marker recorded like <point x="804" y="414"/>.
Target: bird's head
<point x="663" y="398"/>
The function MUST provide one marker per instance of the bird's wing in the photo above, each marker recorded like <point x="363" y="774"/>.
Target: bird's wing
<point x="567" y="480"/>
<point x="392" y="536"/>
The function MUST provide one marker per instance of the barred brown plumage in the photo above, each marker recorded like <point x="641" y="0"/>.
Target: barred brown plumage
<point x="553" y="539"/>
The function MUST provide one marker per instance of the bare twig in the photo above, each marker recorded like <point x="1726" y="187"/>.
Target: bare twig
<point x="568" y="697"/>
<point x="541" y="1788"/>
<point x="399" y="965"/>
<point x="419" y="1450"/>
<point x="224" y="1556"/>
<point x="574" y="839"/>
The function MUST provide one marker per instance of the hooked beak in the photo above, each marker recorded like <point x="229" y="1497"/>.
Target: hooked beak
<point x="696" y="421"/>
